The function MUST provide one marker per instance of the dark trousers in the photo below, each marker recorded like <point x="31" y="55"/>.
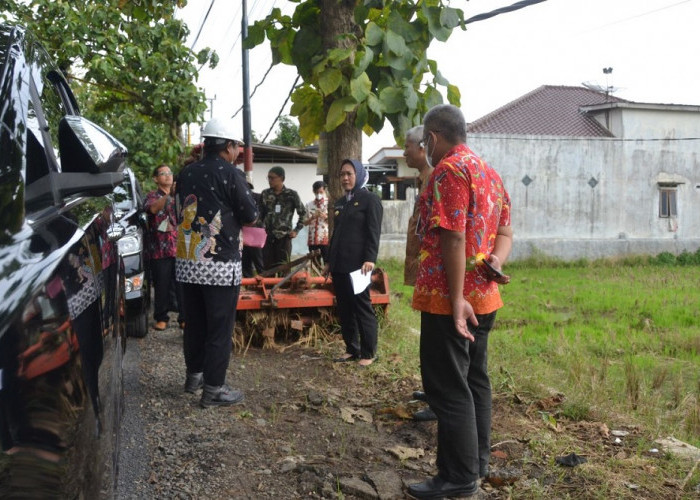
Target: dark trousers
<point x="323" y="249"/>
<point x="166" y="290"/>
<point x="357" y="320"/>
<point x="252" y="260"/>
<point x="457" y="388"/>
<point x="276" y="251"/>
<point x="207" y="342"/>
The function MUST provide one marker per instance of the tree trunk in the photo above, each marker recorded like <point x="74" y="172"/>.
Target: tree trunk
<point x="345" y="142"/>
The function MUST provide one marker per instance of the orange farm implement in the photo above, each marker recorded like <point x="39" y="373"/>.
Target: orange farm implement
<point x="297" y="306"/>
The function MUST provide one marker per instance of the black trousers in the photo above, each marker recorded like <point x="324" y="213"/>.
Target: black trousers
<point x="358" y="323"/>
<point x="207" y="341"/>
<point x="276" y="251"/>
<point x="166" y="291"/>
<point x="252" y="260"/>
<point x="457" y="388"/>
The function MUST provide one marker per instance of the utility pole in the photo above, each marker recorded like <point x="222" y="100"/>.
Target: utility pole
<point x="247" y="133"/>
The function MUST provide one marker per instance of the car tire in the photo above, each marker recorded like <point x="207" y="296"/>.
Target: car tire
<point x="137" y="325"/>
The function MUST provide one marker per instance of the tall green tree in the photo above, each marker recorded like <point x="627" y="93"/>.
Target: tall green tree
<point x="362" y="62"/>
<point x="130" y="63"/>
<point x="287" y="133"/>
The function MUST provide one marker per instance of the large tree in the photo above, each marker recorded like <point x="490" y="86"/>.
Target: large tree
<point x="362" y="62"/>
<point x="130" y="64"/>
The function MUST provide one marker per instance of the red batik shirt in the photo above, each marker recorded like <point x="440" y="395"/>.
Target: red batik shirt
<point x="465" y="195"/>
<point x="162" y="227"/>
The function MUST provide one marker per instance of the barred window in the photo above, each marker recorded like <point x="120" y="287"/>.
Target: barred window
<point x="667" y="202"/>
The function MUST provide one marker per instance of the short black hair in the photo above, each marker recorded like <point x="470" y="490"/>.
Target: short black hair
<point x="318" y="185"/>
<point x="155" y="170"/>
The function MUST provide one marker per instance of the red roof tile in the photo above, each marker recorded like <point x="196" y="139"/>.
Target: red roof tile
<point x="547" y="110"/>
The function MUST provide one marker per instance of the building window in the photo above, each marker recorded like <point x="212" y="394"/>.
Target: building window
<point x="667" y="202"/>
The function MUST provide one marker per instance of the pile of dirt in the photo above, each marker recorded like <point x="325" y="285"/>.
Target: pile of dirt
<point x="317" y="429"/>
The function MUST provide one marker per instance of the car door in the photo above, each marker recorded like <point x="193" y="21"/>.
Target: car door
<point x="60" y="331"/>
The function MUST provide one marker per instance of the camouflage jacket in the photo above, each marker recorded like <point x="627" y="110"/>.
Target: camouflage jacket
<point x="277" y="212"/>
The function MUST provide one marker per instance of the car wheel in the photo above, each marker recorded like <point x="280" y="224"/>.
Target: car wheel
<point x="137" y="325"/>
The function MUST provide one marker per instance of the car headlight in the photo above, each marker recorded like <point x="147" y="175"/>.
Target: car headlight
<point x="133" y="283"/>
<point x="129" y="244"/>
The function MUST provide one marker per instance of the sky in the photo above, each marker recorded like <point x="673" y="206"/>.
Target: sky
<point x="652" y="47"/>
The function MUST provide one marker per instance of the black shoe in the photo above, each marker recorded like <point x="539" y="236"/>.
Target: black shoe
<point x="436" y="487"/>
<point x="425" y="415"/>
<point x="194" y="382"/>
<point x="221" y="395"/>
<point x="419" y="395"/>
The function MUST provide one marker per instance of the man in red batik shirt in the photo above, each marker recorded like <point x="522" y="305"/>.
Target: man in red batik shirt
<point x="464" y="221"/>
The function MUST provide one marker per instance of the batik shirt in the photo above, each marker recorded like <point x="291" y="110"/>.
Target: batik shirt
<point x="162" y="227"/>
<point x="277" y="212"/>
<point x="464" y="195"/>
<point x="318" y="226"/>
<point x="214" y="202"/>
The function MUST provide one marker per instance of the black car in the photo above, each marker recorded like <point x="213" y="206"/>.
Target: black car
<point x="131" y="229"/>
<point x="61" y="334"/>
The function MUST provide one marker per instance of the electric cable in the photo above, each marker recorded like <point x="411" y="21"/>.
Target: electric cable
<point x="201" y="26"/>
<point x="256" y="88"/>
<point x="282" y="108"/>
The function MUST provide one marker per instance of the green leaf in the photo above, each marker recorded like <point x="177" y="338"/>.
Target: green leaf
<point x="392" y="99"/>
<point x="362" y="61"/>
<point x="375" y="105"/>
<point x="329" y="80"/>
<point x="373" y="34"/>
<point x="360" y="87"/>
<point x="402" y="27"/>
<point x="338" y="112"/>
<point x="337" y="55"/>
<point x="453" y="95"/>
<point x="394" y="43"/>
<point x="431" y="97"/>
<point x="432" y="14"/>
<point x="256" y="35"/>
<point x="449" y="17"/>
<point x="410" y="98"/>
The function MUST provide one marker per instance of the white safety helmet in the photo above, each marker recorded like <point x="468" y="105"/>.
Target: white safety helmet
<point x="220" y="130"/>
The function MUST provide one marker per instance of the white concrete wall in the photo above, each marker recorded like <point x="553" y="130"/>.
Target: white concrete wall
<point x="561" y="215"/>
<point x="652" y="123"/>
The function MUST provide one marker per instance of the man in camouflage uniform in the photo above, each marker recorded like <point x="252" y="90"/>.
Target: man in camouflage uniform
<point x="277" y="206"/>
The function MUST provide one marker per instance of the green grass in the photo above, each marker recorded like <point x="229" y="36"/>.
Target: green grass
<point x="618" y="338"/>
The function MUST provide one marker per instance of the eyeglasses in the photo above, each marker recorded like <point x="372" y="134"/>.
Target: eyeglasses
<point x="164" y="173"/>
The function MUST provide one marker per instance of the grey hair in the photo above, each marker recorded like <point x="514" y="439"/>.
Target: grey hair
<point x="415" y="134"/>
<point x="447" y="120"/>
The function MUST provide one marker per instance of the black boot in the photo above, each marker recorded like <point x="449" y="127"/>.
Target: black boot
<point x="194" y="382"/>
<point x="221" y="395"/>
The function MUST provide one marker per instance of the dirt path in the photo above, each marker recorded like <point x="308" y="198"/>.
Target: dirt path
<point x="312" y="428"/>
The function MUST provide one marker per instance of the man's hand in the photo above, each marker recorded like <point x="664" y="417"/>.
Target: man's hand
<point x="293" y="234"/>
<point x="462" y="311"/>
<point x="367" y="267"/>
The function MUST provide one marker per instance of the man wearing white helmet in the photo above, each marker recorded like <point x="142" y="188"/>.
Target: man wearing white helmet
<point x="214" y="202"/>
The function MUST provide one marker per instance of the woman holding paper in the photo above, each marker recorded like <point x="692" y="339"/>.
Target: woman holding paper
<point x="353" y="251"/>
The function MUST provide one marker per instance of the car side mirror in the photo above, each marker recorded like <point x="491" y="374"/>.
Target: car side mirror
<point x="87" y="148"/>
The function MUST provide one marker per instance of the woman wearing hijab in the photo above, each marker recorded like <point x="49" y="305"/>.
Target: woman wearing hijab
<point x="354" y="246"/>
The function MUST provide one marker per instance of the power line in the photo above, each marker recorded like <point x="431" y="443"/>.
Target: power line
<point x="502" y="10"/>
<point x="199" y="32"/>
<point x="256" y="88"/>
<point x="282" y="108"/>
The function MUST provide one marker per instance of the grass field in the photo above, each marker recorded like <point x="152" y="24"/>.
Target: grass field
<point x="620" y="340"/>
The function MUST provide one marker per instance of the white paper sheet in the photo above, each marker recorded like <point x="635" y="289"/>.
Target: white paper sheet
<point x="360" y="281"/>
